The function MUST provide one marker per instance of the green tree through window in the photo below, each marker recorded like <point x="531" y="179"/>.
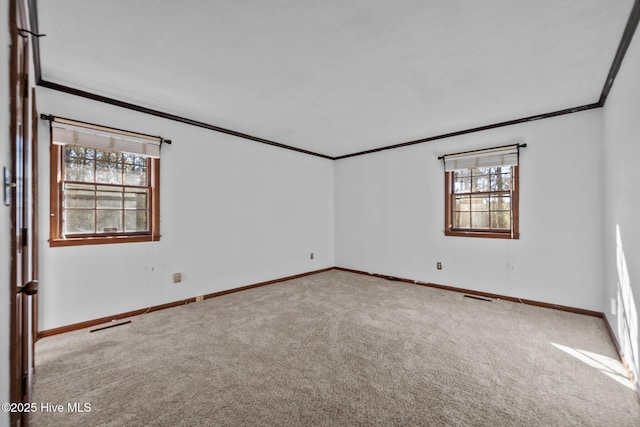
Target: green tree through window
<point x="105" y="185"/>
<point x="482" y="193"/>
<point x="104" y="192"/>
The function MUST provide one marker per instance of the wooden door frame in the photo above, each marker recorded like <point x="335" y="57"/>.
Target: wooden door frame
<point x="23" y="202"/>
<point x="15" y="355"/>
<point x="33" y="153"/>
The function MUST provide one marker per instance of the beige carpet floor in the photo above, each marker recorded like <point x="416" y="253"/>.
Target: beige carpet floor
<point x="339" y="349"/>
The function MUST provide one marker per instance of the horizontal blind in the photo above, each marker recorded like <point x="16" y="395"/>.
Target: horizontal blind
<point x="104" y="139"/>
<point x="492" y="157"/>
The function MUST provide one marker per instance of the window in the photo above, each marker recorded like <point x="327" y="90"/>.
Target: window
<point x="481" y="190"/>
<point x="104" y="185"/>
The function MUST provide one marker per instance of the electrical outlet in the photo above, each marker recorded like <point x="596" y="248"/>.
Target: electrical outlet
<point x="311" y="256"/>
<point x="439" y="265"/>
<point x="614" y="306"/>
<point x="177" y="277"/>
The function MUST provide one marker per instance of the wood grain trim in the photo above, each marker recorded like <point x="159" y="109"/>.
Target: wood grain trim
<point x="55" y="207"/>
<point x="155" y="200"/>
<point x="448" y="214"/>
<point x="515" y="202"/>
<point x="270" y="282"/>
<point x="482" y="294"/>
<point x="483" y="234"/>
<point x="15" y="339"/>
<point x="627" y="36"/>
<point x="107" y="319"/>
<point x="54" y="190"/>
<point x="185" y="120"/>
<point x="168" y="116"/>
<point x="476" y="129"/>
<point x="55" y="243"/>
<point x="632" y="23"/>
<point x="35" y="240"/>
<point x="612" y="335"/>
<point x="623" y="360"/>
<point x="32" y="11"/>
<point x="513" y="234"/>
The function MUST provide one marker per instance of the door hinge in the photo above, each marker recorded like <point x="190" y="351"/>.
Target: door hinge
<point x="25" y="377"/>
<point x="24" y="234"/>
<point x="25" y="86"/>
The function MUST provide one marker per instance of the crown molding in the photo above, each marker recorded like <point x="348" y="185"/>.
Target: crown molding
<point x="627" y="36"/>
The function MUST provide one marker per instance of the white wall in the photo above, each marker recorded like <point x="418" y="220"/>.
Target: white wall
<point x="622" y="214"/>
<point x="5" y="213"/>
<point x="233" y="212"/>
<point x="390" y="215"/>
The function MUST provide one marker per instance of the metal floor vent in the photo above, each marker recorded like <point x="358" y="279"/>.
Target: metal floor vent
<point x="110" y="326"/>
<point x="479" y="298"/>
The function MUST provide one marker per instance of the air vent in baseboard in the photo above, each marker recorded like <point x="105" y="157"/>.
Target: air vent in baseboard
<point x="479" y="298"/>
<point x="113" y="325"/>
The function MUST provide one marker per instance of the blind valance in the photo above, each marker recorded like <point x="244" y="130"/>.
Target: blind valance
<point x="490" y="157"/>
<point x="65" y="132"/>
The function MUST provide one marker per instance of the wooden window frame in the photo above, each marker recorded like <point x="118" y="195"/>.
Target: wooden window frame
<point x="514" y="233"/>
<point x="55" y="220"/>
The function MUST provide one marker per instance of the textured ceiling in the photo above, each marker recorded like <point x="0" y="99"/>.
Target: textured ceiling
<point x="336" y="76"/>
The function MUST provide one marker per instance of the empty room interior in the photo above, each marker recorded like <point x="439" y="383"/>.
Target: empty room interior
<point x="320" y="213"/>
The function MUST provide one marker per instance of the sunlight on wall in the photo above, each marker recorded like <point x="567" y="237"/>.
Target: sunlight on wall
<point x="607" y="365"/>
<point x="627" y="311"/>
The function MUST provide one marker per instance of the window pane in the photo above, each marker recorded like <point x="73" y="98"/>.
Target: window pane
<point x="462" y="203"/>
<point x="480" y="183"/>
<point x="109" y="198"/>
<point x="109" y="221"/>
<point x="73" y="151"/>
<point x="462" y="185"/>
<point x="135" y="174"/>
<point x="77" y="152"/>
<point x="481" y="171"/>
<point x="479" y="203"/>
<point x="108" y="156"/>
<point x="501" y="220"/>
<point x="488" y="207"/>
<point x="136" y="199"/>
<point x="501" y="182"/>
<point x="108" y="173"/>
<point x="134" y="159"/>
<point x="79" y="221"/>
<point x="101" y="192"/>
<point x="79" y="196"/>
<point x="78" y="170"/>
<point x="479" y="219"/>
<point x="461" y="219"/>
<point x="128" y="158"/>
<point x="136" y="220"/>
<point x="500" y="203"/>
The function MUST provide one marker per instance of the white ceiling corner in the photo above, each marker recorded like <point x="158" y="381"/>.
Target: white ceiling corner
<point x="336" y="77"/>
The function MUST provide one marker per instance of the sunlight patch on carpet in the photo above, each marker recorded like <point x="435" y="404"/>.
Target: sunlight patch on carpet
<point x="605" y="364"/>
